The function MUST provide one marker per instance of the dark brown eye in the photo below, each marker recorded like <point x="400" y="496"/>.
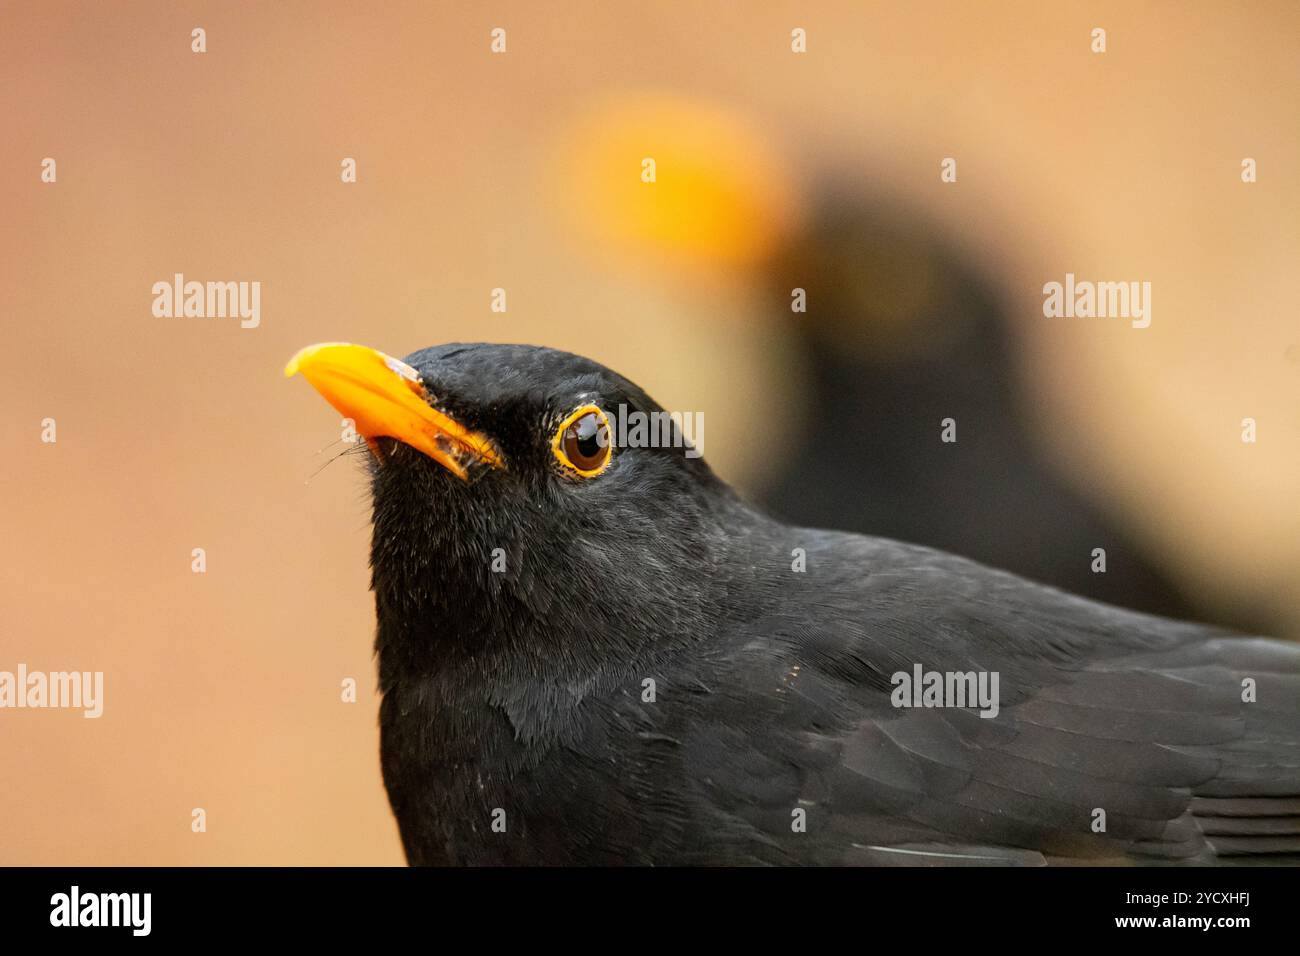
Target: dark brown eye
<point x="582" y="441"/>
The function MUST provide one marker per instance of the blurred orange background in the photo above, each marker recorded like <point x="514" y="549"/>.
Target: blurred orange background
<point x="222" y="689"/>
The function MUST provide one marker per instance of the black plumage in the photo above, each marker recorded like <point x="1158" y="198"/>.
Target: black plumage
<point x="515" y="696"/>
<point x="903" y="332"/>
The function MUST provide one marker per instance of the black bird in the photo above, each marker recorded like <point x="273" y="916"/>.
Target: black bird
<point x="900" y="330"/>
<point x="903" y="333"/>
<point x="593" y="654"/>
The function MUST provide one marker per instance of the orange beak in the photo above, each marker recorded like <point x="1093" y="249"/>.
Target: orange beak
<point x="385" y="397"/>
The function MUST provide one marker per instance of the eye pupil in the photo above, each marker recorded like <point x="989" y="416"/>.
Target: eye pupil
<point x="586" y="441"/>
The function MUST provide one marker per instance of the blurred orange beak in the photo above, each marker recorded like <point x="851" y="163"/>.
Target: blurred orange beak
<point x="386" y="398"/>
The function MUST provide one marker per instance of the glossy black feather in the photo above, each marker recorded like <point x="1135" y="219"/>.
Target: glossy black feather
<point x="522" y="691"/>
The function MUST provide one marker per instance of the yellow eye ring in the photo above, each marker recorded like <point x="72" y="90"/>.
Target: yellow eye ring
<point x="583" y="442"/>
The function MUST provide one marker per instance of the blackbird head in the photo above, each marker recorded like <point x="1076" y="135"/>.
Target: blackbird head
<point x="512" y="530"/>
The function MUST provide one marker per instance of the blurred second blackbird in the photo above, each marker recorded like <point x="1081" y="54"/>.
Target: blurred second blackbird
<point x="901" y="336"/>
<point x="593" y="654"/>
<point x="904" y="338"/>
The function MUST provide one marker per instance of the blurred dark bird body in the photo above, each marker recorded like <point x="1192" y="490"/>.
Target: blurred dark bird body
<point x="523" y="613"/>
<point x="900" y="336"/>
